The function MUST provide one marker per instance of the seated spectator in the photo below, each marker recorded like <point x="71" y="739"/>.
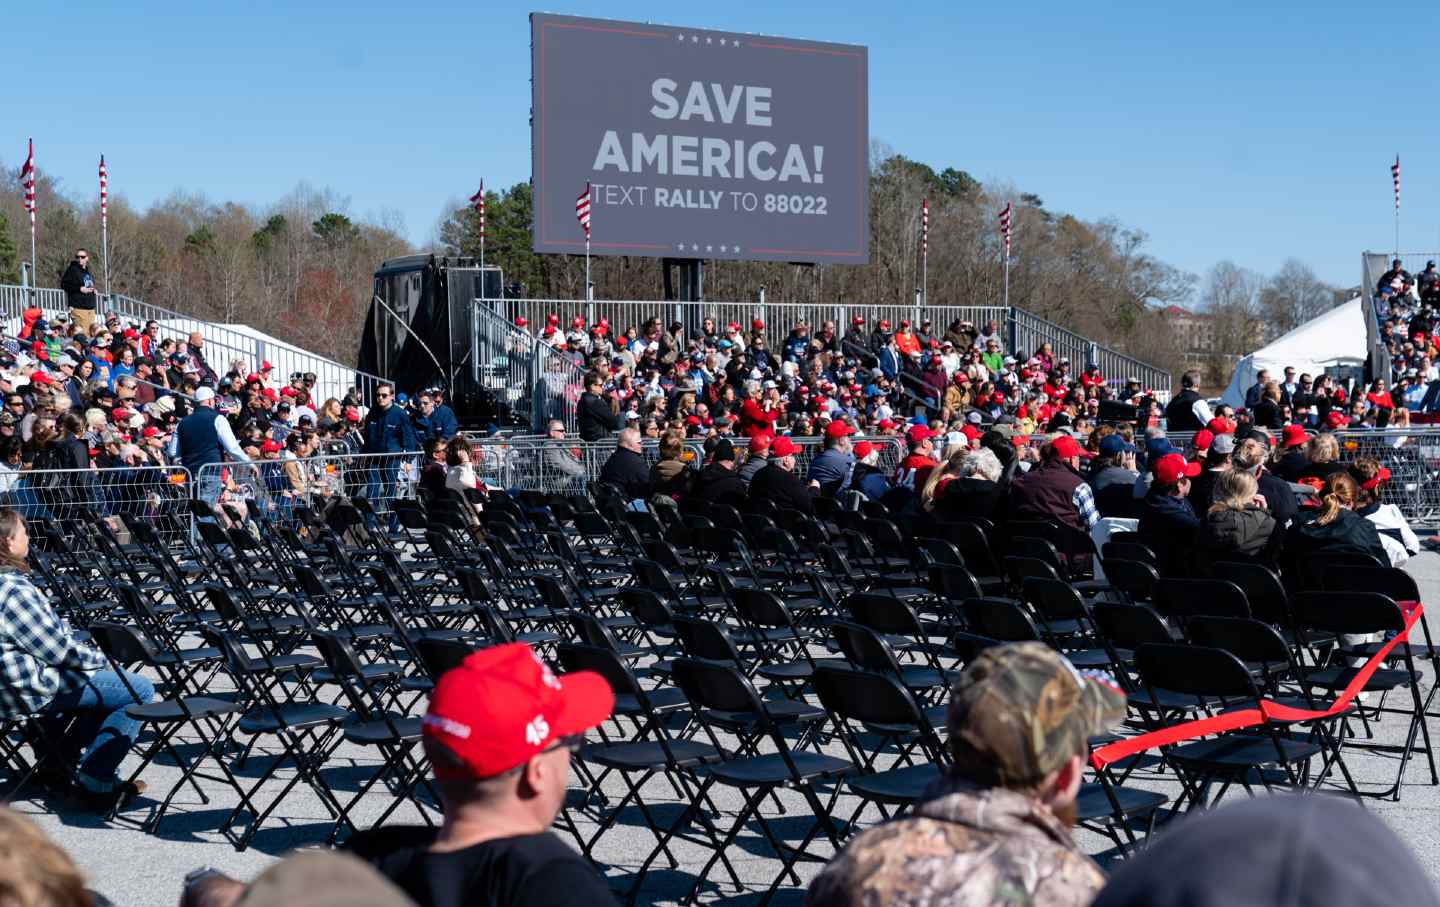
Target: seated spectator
<point x="977" y="494"/>
<point x="1235" y="527"/>
<point x="719" y="481"/>
<point x="558" y="457"/>
<point x="868" y="479"/>
<point x="940" y="477"/>
<point x="1293" y="459"/>
<point x="1336" y="528"/>
<point x="1112" y="477"/>
<point x="498" y="734"/>
<point x="1322" y="454"/>
<point x="915" y="469"/>
<point x="45" y="668"/>
<point x="1217" y="461"/>
<point x="1167" y="521"/>
<point x="778" y="482"/>
<point x="1054" y="489"/>
<point x="626" y="468"/>
<point x="1250" y="456"/>
<point x="757" y="458"/>
<point x="1395" y="532"/>
<point x="832" y="467"/>
<point x="995" y="828"/>
<point x="1273" y="850"/>
<point x="671" y="475"/>
<point x="460" y="472"/>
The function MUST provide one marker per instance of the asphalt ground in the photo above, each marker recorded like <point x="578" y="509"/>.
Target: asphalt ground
<point x="138" y="869"/>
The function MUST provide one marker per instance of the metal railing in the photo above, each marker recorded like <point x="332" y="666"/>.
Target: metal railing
<point x="158" y="495"/>
<point x="333" y="379"/>
<point x="533" y="380"/>
<point x="1027" y="332"/>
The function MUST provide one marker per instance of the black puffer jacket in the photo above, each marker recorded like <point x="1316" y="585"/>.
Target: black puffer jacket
<point x="1234" y="535"/>
<point x="1348" y="532"/>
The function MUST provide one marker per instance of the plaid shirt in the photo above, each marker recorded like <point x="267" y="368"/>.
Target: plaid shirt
<point x="1084" y="500"/>
<point x="39" y="653"/>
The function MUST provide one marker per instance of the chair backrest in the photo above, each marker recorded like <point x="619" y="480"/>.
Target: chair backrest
<point x="1314" y="567"/>
<point x="121" y="644"/>
<point x="868" y="697"/>
<point x="955" y="584"/>
<point x="646" y="606"/>
<point x="1262" y="587"/>
<point x="974" y="545"/>
<point x="438" y="655"/>
<point x="940" y="551"/>
<point x="1027" y="546"/>
<point x="864" y="648"/>
<point x="1388" y="581"/>
<point x="581" y="657"/>
<point x="1019" y="569"/>
<point x="1188" y="597"/>
<point x="1129" y="626"/>
<point x="589" y="630"/>
<point x="1247" y="639"/>
<point x="762" y="608"/>
<point x="1053" y="599"/>
<point x="1130" y="551"/>
<point x="1194" y="671"/>
<point x="715" y="686"/>
<point x="883" y="614"/>
<point x="707" y="640"/>
<point x="1136" y="579"/>
<point x="1347" y="612"/>
<point x="1000" y="618"/>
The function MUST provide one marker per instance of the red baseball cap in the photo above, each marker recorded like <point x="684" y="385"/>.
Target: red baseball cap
<point x="271" y="446"/>
<point x="253" y="379"/>
<point x="150" y="432"/>
<point x="886" y="424"/>
<point x="1169" y="468"/>
<point x="352" y="414"/>
<point x="265" y="365"/>
<point x="757" y="325"/>
<point x="1066" y="447"/>
<point x="1294" y="435"/>
<point x="289" y="392"/>
<point x="858" y="319"/>
<point x="761" y="441"/>
<point x="838" y="429"/>
<point x="1336" y="419"/>
<point x="39" y="377"/>
<point x="918" y="433"/>
<point x="783" y="447"/>
<point x="520" y="321"/>
<point x="577" y="321"/>
<point x="884" y="325"/>
<point x="552" y="318"/>
<point x="1221" y="426"/>
<point x="503" y="706"/>
<point x="1203" y="439"/>
<point x="863" y="449"/>
<point x="271" y="394"/>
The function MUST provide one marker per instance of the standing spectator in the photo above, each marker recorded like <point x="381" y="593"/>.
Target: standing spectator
<point x="387" y="431"/>
<point x="80" y="292"/>
<point x="1253" y="394"/>
<point x="757" y="416"/>
<point x="1266" y="411"/>
<point x="595" y="415"/>
<point x="498" y="735"/>
<point x="995" y="829"/>
<point x="45" y="667"/>
<point x="1188" y="411"/>
<point x="199" y="441"/>
<point x="1167" y="521"/>
<point x="1054" y="489"/>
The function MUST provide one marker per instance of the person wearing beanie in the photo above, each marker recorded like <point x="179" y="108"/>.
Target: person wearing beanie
<point x="719" y="482"/>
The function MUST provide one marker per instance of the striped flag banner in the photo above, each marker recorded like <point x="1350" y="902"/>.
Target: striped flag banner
<point x="582" y="210"/>
<point x="1005" y="227"/>
<point x="1395" y="172"/>
<point x="104" y="194"/>
<point x="27" y="181"/>
<point x="478" y="200"/>
<point x="924" y="226"/>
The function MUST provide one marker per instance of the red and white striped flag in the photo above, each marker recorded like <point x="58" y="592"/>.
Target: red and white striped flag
<point x="27" y="181"/>
<point x="478" y="200"/>
<point x="924" y="226"/>
<point x="582" y="210"/>
<point x="1005" y="227"/>
<point x="104" y="194"/>
<point x="1395" y="172"/>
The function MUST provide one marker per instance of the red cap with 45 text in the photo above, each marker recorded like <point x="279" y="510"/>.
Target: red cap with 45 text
<point x="503" y="705"/>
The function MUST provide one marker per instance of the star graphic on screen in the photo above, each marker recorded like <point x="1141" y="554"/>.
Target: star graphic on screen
<point x="680" y="246"/>
<point x="694" y="247"/>
<point x="679" y="37"/>
<point x="722" y="42"/>
<point x="709" y="248"/>
<point x="694" y="39"/>
<point x="722" y="249"/>
<point x="734" y="43"/>
<point x="707" y="40"/>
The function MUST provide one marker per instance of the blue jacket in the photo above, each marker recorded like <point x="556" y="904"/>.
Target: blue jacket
<point x="444" y="421"/>
<point x="889" y="363"/>
<point x="831" y="469"/>
<point x="389" y="430"/>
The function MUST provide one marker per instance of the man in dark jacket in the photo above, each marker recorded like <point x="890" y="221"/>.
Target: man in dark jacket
<point x="719" y="480"/>
<point x="387" y="430"/>
<point x="868" y="478"/>
<point x="1167" y="521"/>
<point x="80" y="293"/>
<point x="1188" y="411"/>
<point x="1112" y="481"/>
<point x="594" y="415"/>
<point x="778" y="482"/>
<point x="626" y="469"/>
<point x="758" y="459"/>
<point x="1054" y="491"/>
<point x="832" y="468"/>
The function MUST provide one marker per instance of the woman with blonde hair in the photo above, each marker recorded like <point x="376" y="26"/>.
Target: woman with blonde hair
<point x="1323" y="452"/>
<point x="941" y="476"/>
<point x="1235" y="528"/>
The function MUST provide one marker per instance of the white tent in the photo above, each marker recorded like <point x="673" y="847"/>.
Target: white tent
<point x="1334" y="339"/>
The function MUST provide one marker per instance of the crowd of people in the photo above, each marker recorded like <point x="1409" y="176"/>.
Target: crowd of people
<point x="1407" y="308"/>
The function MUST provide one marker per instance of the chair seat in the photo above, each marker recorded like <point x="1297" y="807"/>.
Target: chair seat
<point x="187" y="656"/>
<point x="662" y="699"/>
<point x="1339" y="679"/>
<point x="898" y="785"/>
<point x="645" y="754"/>
<point x="369" y="672"/>
<point x="1417" y="650"/>
<point x="282" y="663"/>
<point x="172" y="710"/>
<point x="267" y="720"/>
<point x="1236" y="751"/>
<point x="781" y="711"/>
<point x="794" y="670"/>
<point x="370" y="733"/>
<point x="918" y="677"/>
<point x="1092" y="804"/>
<point x="1089" y="658"/>
<point x="366" y="631"/>
<point x="771" y="769"/>
<point x="1167" y="701"/>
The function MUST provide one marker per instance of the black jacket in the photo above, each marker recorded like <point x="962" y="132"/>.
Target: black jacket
<point x="1167" y="525"/>
<point x="1180" y="413"/>
<point x="716" y="483"/>
<point x="971" y="499"/>
<point x="1291" y="465"/>
<point x="1348" y="532"/>
<point x="783" y="488"/>
<point x="71" y="282"/>
<point x="1279" y="499"/>
<point x="1234" y="535"/>
<point x="627" y="470"/>
<point x="594" y="417"/>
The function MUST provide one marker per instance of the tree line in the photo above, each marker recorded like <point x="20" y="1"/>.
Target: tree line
<point x="301" y="268"/>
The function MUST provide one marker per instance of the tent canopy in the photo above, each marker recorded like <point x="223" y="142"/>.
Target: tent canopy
<point x="1335" y="338"/>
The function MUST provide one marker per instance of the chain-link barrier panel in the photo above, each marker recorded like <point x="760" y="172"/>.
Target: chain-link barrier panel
<point x="558" y="467"/>
<point x="159" y="495"/>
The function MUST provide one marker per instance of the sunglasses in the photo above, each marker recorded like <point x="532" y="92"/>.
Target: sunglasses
<point x="572" y="743"/>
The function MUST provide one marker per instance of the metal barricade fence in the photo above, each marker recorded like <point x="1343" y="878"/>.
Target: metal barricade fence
<point x="158" y="495"/>
<point x="535" y="381"/>
<point x="558" y="467"/>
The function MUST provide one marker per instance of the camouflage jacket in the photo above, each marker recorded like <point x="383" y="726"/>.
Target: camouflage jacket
<point x="964" y="846"/>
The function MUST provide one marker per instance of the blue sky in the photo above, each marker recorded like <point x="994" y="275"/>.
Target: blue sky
<point x="1223" y="130"/>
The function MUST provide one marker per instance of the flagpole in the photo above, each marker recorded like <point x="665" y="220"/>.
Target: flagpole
<point x="1007" y="276"/>
<point x="105" y="224"/>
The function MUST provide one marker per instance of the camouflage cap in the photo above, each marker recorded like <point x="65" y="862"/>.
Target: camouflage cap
<point x="1018" y="711"/>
